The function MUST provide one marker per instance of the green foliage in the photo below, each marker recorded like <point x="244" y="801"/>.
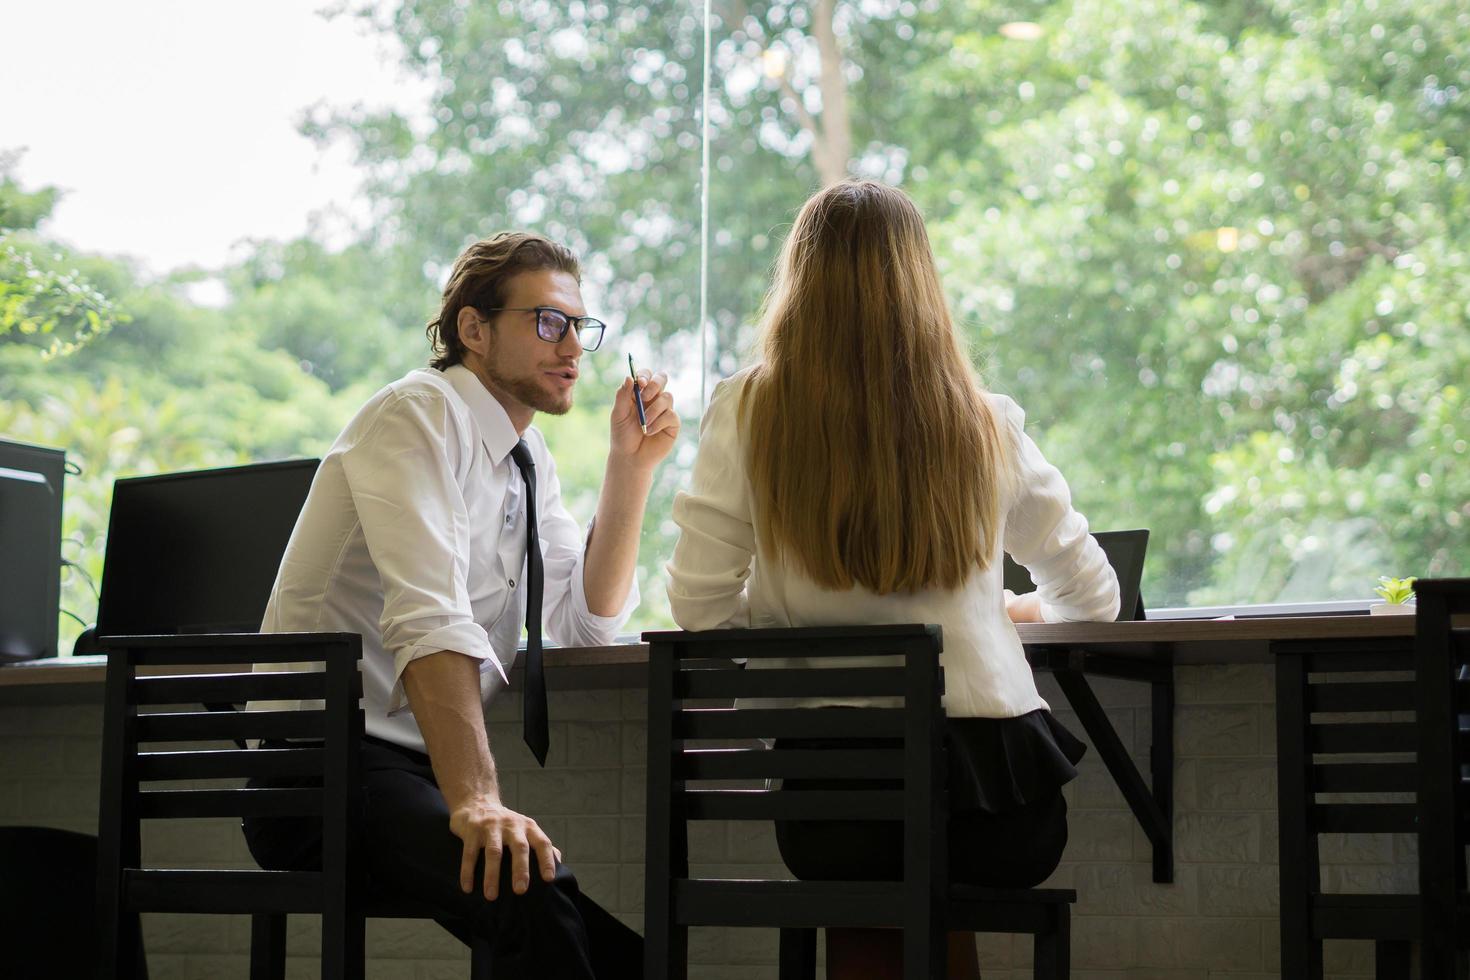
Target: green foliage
<point x="22" y="210"/>
<point x="180" y="387"/>
<point x="344" y="315"/>
<point x="45" y="304"/>
<point x="1225" y="270"/>
<point x="1220" y="253"/>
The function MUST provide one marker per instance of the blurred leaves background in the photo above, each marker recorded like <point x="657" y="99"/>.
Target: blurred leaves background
<point x="1217" y="249"/>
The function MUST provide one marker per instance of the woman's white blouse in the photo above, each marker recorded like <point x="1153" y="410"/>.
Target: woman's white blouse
<point x="721" y="576"/>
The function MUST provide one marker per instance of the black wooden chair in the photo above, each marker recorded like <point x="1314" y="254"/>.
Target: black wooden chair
<point x="690" y="781"/>
<point x="1442" y="654"/>
<point x="152" y="731"/>
<point x="1346" y="749"/>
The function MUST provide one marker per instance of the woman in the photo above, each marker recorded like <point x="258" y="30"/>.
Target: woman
<point x="860" y="474"/>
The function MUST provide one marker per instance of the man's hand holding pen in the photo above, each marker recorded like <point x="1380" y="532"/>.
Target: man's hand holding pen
<point x="643" y="437"/>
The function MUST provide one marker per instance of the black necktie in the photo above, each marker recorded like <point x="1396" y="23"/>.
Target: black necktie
<point x="536" y="730"/>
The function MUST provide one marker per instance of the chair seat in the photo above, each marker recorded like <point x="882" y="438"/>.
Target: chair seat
<point x="1018" y="910"/>
<point x="857" y="904"/>
<point x="1365" y="916"/>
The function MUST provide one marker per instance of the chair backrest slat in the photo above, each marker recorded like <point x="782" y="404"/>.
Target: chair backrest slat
<point x="225" y="891"/>
<point x="794" y="683"/>
<point x="788" y="723"/>
<point x="286" y="685"/>
<point x="224" y="649"/>
<point x="770" y="644"/>
<point x="1366" y="777"/>
<point x="230" y="763"/>
<point x="696" y="764"/>
<point x="1373" y="696"/>
<point x="174" y="803"/>
<point x="1363" y="738"/>
<point x="1366" y="818"/>
<point x="1371" y="655"/>
<point x="189" y="726"/>
<point x="793" y="805"/>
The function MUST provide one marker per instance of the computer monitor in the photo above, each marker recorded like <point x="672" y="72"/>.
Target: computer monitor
<point x="198" y="552"/>
<point x="31" y="484"/>
<point x="1125" y="551"/>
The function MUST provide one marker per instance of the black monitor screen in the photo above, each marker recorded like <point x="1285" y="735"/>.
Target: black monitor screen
<point x="198" y="552"/>
<point x="1125" y="551"/>
<point x="31" y="480"/>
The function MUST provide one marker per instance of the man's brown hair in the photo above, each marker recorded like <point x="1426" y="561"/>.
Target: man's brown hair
<point x="479" y="280"/>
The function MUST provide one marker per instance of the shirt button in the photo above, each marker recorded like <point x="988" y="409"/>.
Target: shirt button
<point x="512" y="583"/>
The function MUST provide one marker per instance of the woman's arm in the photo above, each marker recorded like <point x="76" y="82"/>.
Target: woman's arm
<point x="716" y="546"/>
<point x="1043" y="532"/>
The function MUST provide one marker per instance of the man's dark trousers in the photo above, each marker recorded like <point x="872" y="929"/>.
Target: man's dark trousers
<point x="553" y="931"/>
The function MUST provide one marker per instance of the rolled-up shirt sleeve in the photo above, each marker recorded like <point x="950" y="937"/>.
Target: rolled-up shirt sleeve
<point x="568" y="619"/>
<point x="401" y="474"/>
<point x="713" y="557"/>
<point x="1049" y="537"/>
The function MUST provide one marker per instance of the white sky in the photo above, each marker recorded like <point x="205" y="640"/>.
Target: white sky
<point x="171" y="124"/>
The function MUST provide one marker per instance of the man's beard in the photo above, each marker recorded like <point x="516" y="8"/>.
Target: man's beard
<point x="528" y="393"/>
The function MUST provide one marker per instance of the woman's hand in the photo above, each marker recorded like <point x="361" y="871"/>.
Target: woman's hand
<point x="1024" y="608"/>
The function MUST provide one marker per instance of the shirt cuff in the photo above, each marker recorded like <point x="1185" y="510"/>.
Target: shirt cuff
<point x="466" y="639"/>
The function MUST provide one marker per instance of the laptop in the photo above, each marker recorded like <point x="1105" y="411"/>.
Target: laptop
<point x="1125" y="551"/>
<point x="198" y="552"/>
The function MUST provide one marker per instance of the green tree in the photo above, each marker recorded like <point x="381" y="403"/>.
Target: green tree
<point x="44" y="304"/>
<point x="1171" y="230"/>
<point x="1230" y="261"/>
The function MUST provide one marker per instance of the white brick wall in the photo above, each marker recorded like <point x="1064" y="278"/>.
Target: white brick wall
<point x="1216" y="922"/>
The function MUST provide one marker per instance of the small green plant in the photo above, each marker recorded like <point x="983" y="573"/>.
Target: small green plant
<point x="1395" y="590"/>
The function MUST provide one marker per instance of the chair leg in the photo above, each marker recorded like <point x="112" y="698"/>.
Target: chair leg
<point x="798" y="954"/>
<point x="1391" y="959"/>
<point x="482" y="961"/>
<point x="121" y="947"/>
<point x="1053" y="949"/>
<point x="1439" y="957"/>
<point x="665" y="949"/>
<point x="268" y="946"/>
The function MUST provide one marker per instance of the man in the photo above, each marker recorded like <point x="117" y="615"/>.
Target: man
<point x="416" y="535"/>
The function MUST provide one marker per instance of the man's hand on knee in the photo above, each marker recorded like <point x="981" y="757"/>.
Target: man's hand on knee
<point x="485" y="825"/>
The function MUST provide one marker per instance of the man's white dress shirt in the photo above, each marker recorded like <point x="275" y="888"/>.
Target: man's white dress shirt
<point x="721" y="576"/>
<point x="414" y="536"/>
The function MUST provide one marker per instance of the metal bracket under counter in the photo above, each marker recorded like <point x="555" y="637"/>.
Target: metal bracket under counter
<point x="1153" y="807"/>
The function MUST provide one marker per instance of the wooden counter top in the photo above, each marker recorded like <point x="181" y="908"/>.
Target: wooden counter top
<point x="1180" y="641"/>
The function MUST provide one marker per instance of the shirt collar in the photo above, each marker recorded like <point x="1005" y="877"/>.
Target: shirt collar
<point x="496" y="431"/>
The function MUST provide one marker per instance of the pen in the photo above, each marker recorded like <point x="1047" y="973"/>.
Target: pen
<point x="637" y="396"/>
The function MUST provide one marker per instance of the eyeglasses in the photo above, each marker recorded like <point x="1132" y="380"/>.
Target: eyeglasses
<point x="552" y="324"/>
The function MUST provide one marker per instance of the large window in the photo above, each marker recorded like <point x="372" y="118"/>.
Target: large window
<point x="1218" y="252"/>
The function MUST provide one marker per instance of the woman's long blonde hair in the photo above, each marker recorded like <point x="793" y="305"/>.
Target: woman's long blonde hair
<point x="873" y="454"/>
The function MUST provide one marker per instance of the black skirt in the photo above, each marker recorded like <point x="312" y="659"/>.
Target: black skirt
<point x="1007" y="818"/>
<point x="1001" y="764"/>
